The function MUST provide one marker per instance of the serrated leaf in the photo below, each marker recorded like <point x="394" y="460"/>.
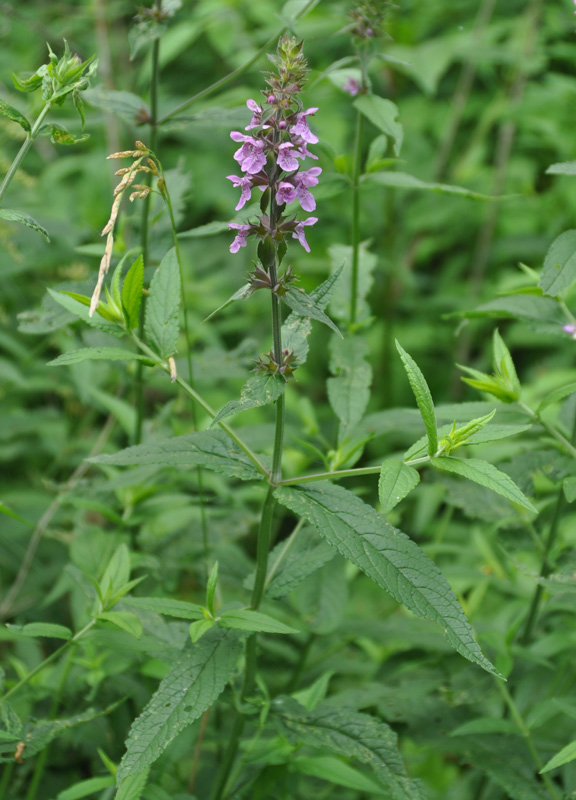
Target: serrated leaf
<point x="194" y="682"/>
<point x="562" y="168"/>
<point x="387" y="556"/>
<point x="305" y="306"/>
<point x="397" y="480"/>
<point x="403" y="180"/>
<point x="565" y="755"/>
<point x="384" y="115"/>
<point x="80" y="310"/>
<point x="133" y="785"/>
<point x="241" y="294"/>
<point x="557" y="395"/>
<point x="342" y="255"/>
<point x="47" y="629"/>
<point x="485" y="474"/>
<point x="96" y="354"/>
<point x="124" y="620"/>
<point x="14" y="115"/>
<point x="248" y="620"/>
<point x="559" y="271"/>
<point x="423" y="397"/>
<point x="170" y="608"/>
<point x="131" y="295"/>
<point x="259" y="390"/>
<point x="349" y="734"/>
<point x="24" y="219"/>
<point x="199" y="628"/>
<point x="349" y="390"/>
<point x="542" y="313"/>
<point x="86" y="788"/>
<point x="161" y="326"/>
<point x="210" y="449"/>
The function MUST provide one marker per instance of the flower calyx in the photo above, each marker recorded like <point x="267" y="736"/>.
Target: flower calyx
<point x="261" y="279"/>
<point x="269" y="365"/>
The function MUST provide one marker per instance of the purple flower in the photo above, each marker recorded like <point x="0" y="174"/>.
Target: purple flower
<point x="352" y="86"/>
<point x="299" y="232"/>
<point x="251" y="155"/>
<point x="301" y="128"/>
<point x="302" y="150"/>
<point x="256" y="120"/>
<point x="286" y="193"/>
<point x="240" y="240"/>
<point x="286" y="160"/>
<point x="246" y="185"/>
<point x="571" y="328"/>
<point x="303" y="181"/>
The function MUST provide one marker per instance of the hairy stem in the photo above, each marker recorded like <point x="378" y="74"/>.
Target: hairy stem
<point x="356" y="173"/>
<point x="21" y="154"/>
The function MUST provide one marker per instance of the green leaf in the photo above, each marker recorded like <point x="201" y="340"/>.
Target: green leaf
<point x="131" y="295"/>
<point x="211" y="585"/>
<point x="259" y="390"/>
<point x="117" y="572"/>
<point x="563" y="168"/>
<point x="14" y="115"/>
<point x="397" y="480"/>
<point x="349" y="734"/>
<point x="423" y="398"/>
<point x="334" y="771"/>
<point x="314" y="694"/>
<point x="132" y="786"/>
<point x="96" y="354"/>
<point x="485" y="474"/>
<point x="569" y="487"/>
<point x="248" y="620"/>
<point x="305" y="306"/>
<point x="557" y="395"/>
<point x="60" y="135"/>
<point x="384" y="115"/>
<point x="565" y="755"/>
<point x="340" y="304"/>
<point x="210" y="449"/>
<point x="24" y="219"/>
<point x="86" y="788"/>
<point x="559" y="271"/>
<point x="79" y="309"/>
<point x="321" y="600"/>
<point x="541" y="313"/>
<point x="124" y="620"/>
<point x="199" y="628"/>
<point x="4" y="509"/>
<point x="162" y="307"/>
<point x="47" y="629"/>
<point x="387" y="556"/>
<point x="241" y="294"/>
<point x="194" y="682"/>
<point x="486" y="725"/>
<point x="403" y="180"/>
<point x="210" y="229"/>
<point x="125" y="105"/>
<point x="170" y="608"/>
<point x="349" y="390"/>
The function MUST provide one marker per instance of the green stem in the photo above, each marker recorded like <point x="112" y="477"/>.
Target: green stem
<point x="356" y="173"/>
<point x="26" y="145"/>
<point x="56" y="654"/>
<point x="535" y="417"/>
<point x="145" y="226"/>
<point x="238" y="71"/>
<point x="525" y="732"/>
<point x="6" y="778"/>
<point x="331" y="476"/>
<point x="283" y="553"/>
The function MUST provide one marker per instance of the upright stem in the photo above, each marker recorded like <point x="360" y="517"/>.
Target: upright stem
<point x="26" y="145"/>
<point x="144" y="228"/>
<point x="356" y="173"/>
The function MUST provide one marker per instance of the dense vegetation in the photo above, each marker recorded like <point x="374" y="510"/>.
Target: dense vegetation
<point x="287" y="499"/>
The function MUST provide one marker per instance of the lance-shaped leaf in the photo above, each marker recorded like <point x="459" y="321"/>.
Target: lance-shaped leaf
<point x="559" y="265"/>
<point x="133" y="785"/>
<point x="163" y="306"/>
<point x="13" y="114"/>
<point x="565" y="755"/>
<point x="241" y="294"/>
<point x="423" y="398"/>
<point x="384" y="115"/>
<point x="397" y="480"/>
<point x="164" y="605"/>
<point x="86" y="788"/>
<point x="195" y="681"/>
<point x="131" y="295"/>
<point x="80" y="309"/>
<point x="403" y="180"/>
<point x="563" y="168"/>
<point x="259" y="390"/>
<point x="210" y="449"/>
<point x="349" y="390"/>
<point x="24" y="219"/>
<point x="306" y="306"/>
<point x="245" y="619"/>
<point x="47" y="629"/>
<point x="350" y="734"/>
<point x="387" y="556"/>
<point x="486" y="474"/>
<point x="97" y="354"/>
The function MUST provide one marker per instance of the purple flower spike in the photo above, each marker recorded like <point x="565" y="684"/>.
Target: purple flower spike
<point x="286" y="193"/>
<point x="251" y="155"/>
<point x="256" y="120"/>
<point x="303" y="181"/>
<point x="352" y="86"/>
<point x="301" y="128"/>
<point x="286" y="160"/>
<point x="240" y="240"/>
<point x="246" y="185"/>
<point x="299" y="232"/>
